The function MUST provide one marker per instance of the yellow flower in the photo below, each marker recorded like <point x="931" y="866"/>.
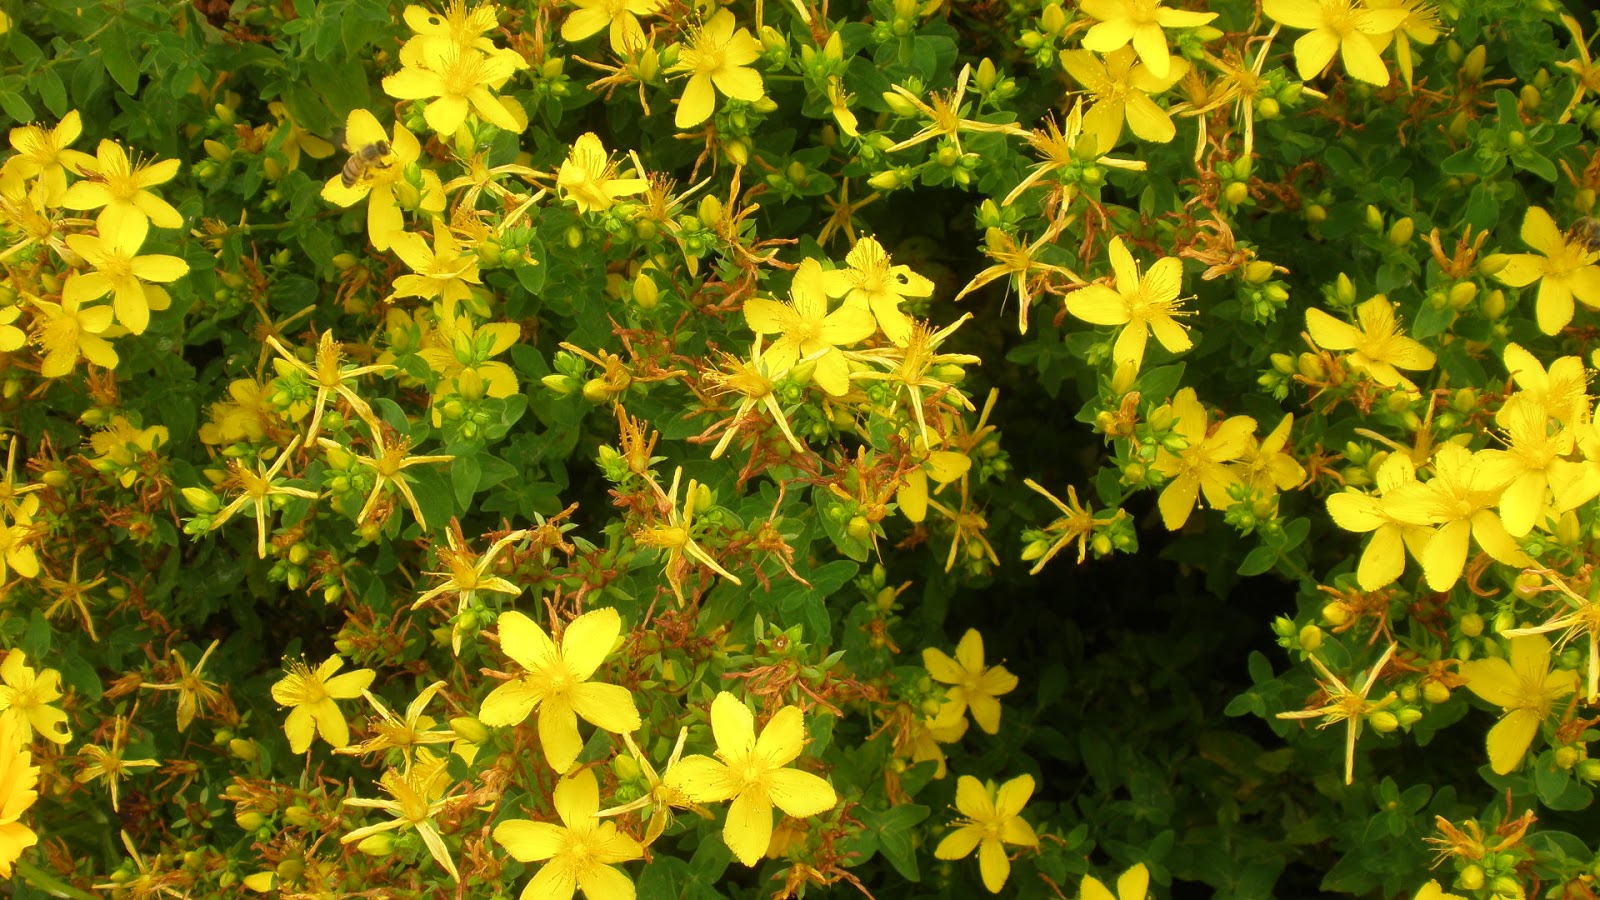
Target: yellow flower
<point x="580" y="853"/>
<point x="107" y="762"/>
<point x="1202" y="466"/>
<point x="1018" y="263"/>
<point x="1122" y="92"/>
<point x="388" y="462"/>
<point x="1533" y="464"/>
<point x="1525" y="688"/>
<point x="329" y="375"/>
<point x="121" y="273"/>
<point x="555" y="680"/>
<point x="1563" y="389"/>
<point x="807" y="330"/>
<point x="12" y="338"/>
<point x="1348" y="706"/>
<point x="1379" y="348"/>
<point x="444" y="271"/>
<point x="194" y="692"/>
<point x="1563" y="265"/>
<point x="620" y="17"/>
<point x="1134" y="884"/>
<point x="1139" y="22"/>
<point x="1421" y="24"/>
<point x="458" y="26"/>
<point x="1337" y="28"/>
<point x="924" y="736"/>
<point x="121" y="449"/>
<point x="1457" y="499"/>
<point x="256" y="490"/>
<point x="990" y="819"/>
<point x="1266" y="468"/>
<point x="1062" y="147"/>
<point x="460" y="80"/>
<point x="753" y="772"/>
<point x="717" y="56"/>
<point x="312" y="695"/>
<point x="870" y="280"/>
<point x="752" y="380"/>
<point x="416" y="793"/>
<point x="661" y="797"/>
<point x="408" y="733"/>
<point x="16" y="541"/>
<point x="68" y="331"/>
<point x="245" y="417"/>
<point x="298" y="140"/>
<point x="1432" y="891"/>
<point x="944" y="115"/>
<point x="588" y="176"/>
<point x="44" y="155"/>
<point x="969" y="684"/>
<point x="676" y="536"/>
<point x="384" y="184"/>
<point x="123" y="188"/>
<point x="1385" y="557"/>
<point x="463" y="356"/>
<point x="942" y="466"/>
<point x="1145" y="303"/>
<point x="25" y="698"/>
<point x="17" y="782"/>
<point x="1581" y="614"/>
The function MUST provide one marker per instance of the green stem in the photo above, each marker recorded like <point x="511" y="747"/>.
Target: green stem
<point x="48" y="883"/>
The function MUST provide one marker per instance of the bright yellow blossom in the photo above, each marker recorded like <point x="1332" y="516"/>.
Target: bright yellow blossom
<point x="457" y="26"/>
<point x="459" y="80"/>
<point x="1562" y="389"/>
<point x="1563" y="265"/>
<point x="1144" y="303"/>
<point x="1421" y="25"/>
<point x="806" y="330"/>
<point x="556" y="681"/>
<point x="991" y="818"/>
<point x="754" y="773"/>
<point x="1457" y="499"/>
<point x="581" y="853"/>
<point x="1578" y="614"/>
<point x="383" y="183"/>
<point x="1377" y="344"/>
<point x="870" y="279"/>
<point x="1525" y="688"/>
<point x="18" y="780"/>
<point x="1139" y="22"/>
<point x="44" y="154"/>
<point x="26" y="697"/>
<point x="588" y="176"/>
<point x="619" y="18"/>
<point x="969" y="684"/>
<point x="1385" y="556"/>
<point x="311" y="695"/>
<point x="68" y="331"/>
<point x="1204" y="465"/>
<point x="1133" y="884"/>
<point x="446" y="271"/>
<point x="1340" y="28"/>
<point x="16" y="541"/>
<point x="462" y="354"/>
<point x="121" y="273"/>
<point x="1266" y="468"/>
<point x="717" y="58"/>
<point x="123" y="188"/>
<point x="1122" y="90"/>
<point x="1534" y="464"/>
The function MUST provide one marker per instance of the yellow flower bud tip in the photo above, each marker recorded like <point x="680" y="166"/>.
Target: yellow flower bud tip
<point x="244" y="749"/>
<point x="1383" y="721"/>
<point x="250" y="821"/>
<point x="1435" y="692"/>
<point x="1310" y="638"/>
<point x="1336" y="614"/>
<point x="1471" y="878"/>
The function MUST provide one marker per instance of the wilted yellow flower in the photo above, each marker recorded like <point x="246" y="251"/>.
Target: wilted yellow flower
<point x="1348" y="706"/>
<point x="311" y="695"/>
<point x="717" y="58"/>
<point x="754" y="773"/>
<point x="256" y="490"/>
<point x="416" y="800"/>
<point x="990" y="819"/>
<point x="107" y="762"/>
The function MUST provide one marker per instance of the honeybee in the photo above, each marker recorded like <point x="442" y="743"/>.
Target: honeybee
<point x="1587" y="232"/>
<point x="368" y="157"/>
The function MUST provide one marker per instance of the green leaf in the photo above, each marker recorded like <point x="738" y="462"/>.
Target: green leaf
<point x="1258" y="561"/>
<point x="117" y="54"/>
<point x="465" y="474"/>
<point x="16" y="107"/>
<point x="894" y="830"/>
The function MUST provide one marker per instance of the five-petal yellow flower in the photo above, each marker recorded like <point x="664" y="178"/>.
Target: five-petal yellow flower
<point x="581" y="853"/>
<point x="311" y="694"/>
<point x="1526" y="688"/>
<point x="991" y="818"/>
<point x="1144" y="303"/>
<point x="1563" y="265"/>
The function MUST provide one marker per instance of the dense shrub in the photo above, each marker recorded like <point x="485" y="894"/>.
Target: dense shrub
<point x="923" y="448"/>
